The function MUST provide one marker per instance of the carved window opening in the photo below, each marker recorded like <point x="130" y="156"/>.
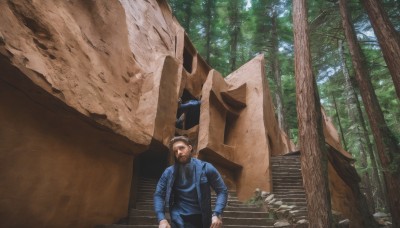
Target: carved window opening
<point x="187" y="60"/>
<point x="189" y="54"/>
<point x="230" y="123"/>
<point x="187" y="117"/>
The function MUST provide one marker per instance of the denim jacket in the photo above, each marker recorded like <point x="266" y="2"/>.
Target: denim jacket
<point x="206" y="176"/>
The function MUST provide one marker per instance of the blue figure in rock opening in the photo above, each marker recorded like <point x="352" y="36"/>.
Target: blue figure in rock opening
<point x="188" y="114"/>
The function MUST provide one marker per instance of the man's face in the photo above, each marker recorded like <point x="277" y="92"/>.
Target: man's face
<point x="182" y="152"/>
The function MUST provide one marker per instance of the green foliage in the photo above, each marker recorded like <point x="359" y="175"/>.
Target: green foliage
<point x="251" y="19"/>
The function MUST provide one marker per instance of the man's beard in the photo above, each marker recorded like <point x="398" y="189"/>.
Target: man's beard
<point x="183" y="159"/>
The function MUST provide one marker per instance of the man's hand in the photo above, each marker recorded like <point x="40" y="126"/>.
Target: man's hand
<point x="164" y="224"/>
<point x="216" y="222"/>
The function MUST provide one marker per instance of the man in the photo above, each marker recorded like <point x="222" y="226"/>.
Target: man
<point x="185" y="189"/>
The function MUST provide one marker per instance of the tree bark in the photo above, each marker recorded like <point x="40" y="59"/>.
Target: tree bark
<point x="234" y="22"/>
<point x="314" y="162"/>
<point x="363" y="139"/>
<point x="385" y="141"/>
<point x="187" y="8"/>
<point x="388" y="38"/>
<point x="275" y="68"/>
<point x="339" y="122"/>
<point x="381" y="198"/>
<point x="209" y="8"/>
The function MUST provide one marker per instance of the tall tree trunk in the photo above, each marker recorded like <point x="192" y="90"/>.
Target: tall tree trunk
<point x="209" y="9"/>
<point x="366" y="180"/>
<point x="363" y="139"/>
<point x="385" y="141"/>
<point x="187" y="9"/>
<point x="314" y="161"/>
<point x="275" y="68"/>
<point x="388" y="38"/>
<point x="262" y="31"/>
<point x="381" y="198"/>
<point x="339" y="122"/>
<point x="234" y="22"/>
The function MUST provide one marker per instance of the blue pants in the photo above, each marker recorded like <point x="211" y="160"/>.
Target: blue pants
<point x="189" y="221"/>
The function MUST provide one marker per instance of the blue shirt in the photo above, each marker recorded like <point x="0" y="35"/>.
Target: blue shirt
<point x="185" y="193"/>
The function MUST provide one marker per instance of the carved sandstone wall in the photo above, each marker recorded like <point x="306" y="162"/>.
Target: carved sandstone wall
<point x="78" y="103"/>
<point x="57" y="169"/>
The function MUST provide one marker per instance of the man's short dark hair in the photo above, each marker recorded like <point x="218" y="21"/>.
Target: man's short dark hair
<point x="175" y="139"/>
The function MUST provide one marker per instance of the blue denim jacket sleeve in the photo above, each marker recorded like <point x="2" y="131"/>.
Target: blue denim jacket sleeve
<point x="219" y="187"/>
<point x="160" y="195"/>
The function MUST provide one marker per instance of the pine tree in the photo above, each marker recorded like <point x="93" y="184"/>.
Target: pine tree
<point x="386" y="143"/>
<point x="314" y="162"/>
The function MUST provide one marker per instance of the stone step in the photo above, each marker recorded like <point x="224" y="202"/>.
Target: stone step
<point x="286" y="178"/>
<point x="281" y="165"/>
<point x="284" y="160"/>
<point x="235" y="214"/>
<point x="280" y="188"/>
<point x="151" y="220"/>
<point x="290" y="195"/>
<point x="279" y="194"/>
<point x="287" y="183"/>
<point x="148" y="193"/>
<point x="287" y="172"/>
<point x="146" y="188"/>
<point x="143" y="220"/>
<point x="285" y="157"/>
<point x="148" y="181"/>
<point x="148" y="185"/>
<point x="285" y="200"/>
<point x="286" y="168"/>
<point x="298" y="189"/>
<point x="150" y="200"/>
<point x="227" y="208"/>
<point x="247" y="221"/>
<point x="289" y="176"/>
<point x="288" y="187"/>
<point x="285" y="175"/>
<point x="229" y="204"/>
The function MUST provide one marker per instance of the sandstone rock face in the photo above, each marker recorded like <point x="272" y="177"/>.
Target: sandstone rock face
<point x="58" y="170"/>
<point x="87" y="88"/>
<point x="244" y="136"/>
<point x="80" y="93"/>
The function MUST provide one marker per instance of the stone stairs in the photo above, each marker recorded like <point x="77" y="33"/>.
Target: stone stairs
<point x="236" y="214"/>
<point x="287" y="184"/>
